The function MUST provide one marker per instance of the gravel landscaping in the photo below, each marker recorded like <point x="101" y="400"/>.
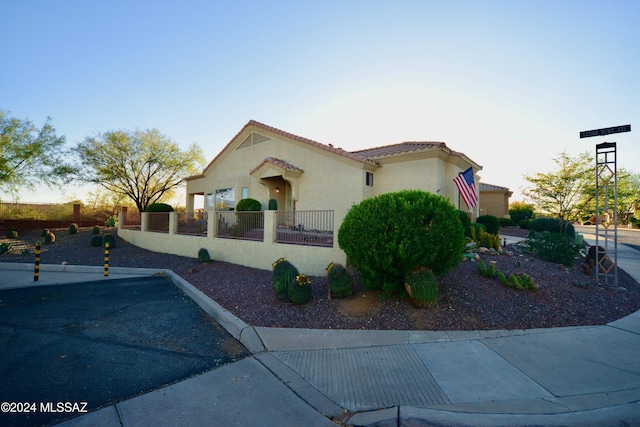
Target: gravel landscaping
<point x="467" y="301"/>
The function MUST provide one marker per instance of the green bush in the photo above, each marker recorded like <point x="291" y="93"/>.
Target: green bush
<point x="521" y="211"/>
<point x="387" y="236"/>
<point x="283" y="273"/>
<point x="490" y="222"/>
<point x="203" y="256"/>
<point x="524" y="223"/>
<point x="110" y="239"/>
<point x="159" y="207"/>
<point x="506" y="222"/>
<point x="422" y="287"/>
<point x="111" y="221"/>
<point x="96" y="230"/>
<point x="466" y="222"/>
<point x="552" y="225"/>
<point x="73" y="228"/>
<point x="340" y="285"/>
<point x="96" y="240"/>
<point x="554" y="247"/>
<point x="249" y="205"/>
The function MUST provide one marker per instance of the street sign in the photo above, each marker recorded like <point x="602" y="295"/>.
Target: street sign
<point x="605" y="131"/>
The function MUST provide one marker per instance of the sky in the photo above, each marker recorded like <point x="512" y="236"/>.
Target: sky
<point x="509" y="83"/>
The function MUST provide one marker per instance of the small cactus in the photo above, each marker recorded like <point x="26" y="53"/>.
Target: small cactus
<point x="283" y="273"/>
<point x="49" y="238"/>
<point x="110" y="239"/>
<point x="340" y="285"/>
<point x="203" y="256"/>
<point x="300" y="289"/>
<point x="73" y="228"/>
<point x="45" y="232"/>
<point x="422" y="287"/>
<point x="96" y="241"/>
<point x="96" y="230"/>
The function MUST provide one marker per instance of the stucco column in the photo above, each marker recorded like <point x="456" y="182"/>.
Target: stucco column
<point x="144" y="221"/>
<point x="211" y="224"/>
<point x="121" y="220"/>
<point x="190" y="203"/>
<point x="269" y="226"/>
<point x="173" y="222"/>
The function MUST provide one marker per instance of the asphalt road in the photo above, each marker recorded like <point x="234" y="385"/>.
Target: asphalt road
<point x="626" y="236"/>
<point x="70" y="348"/>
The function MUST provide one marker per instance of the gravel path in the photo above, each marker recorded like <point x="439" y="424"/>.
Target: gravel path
<point x="468" y="301"/>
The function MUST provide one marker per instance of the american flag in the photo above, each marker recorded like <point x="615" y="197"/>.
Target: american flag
<point x="467" y="187"/>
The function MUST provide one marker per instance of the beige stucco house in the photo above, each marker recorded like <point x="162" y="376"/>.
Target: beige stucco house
<point x="264" y="163"/>
<point x="494" y="200"/>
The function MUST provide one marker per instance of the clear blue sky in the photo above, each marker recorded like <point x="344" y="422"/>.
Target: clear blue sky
<point x="509" y="83"/>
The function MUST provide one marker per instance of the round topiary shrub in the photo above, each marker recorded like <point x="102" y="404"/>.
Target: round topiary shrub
<point x="387" y="236"/>
<point x="96" y="230"/>
<point x="159" y="207"/>
<point x="492" y="223"/>
<point x="13" y="233"/>
<point x="96" y="240"/>
<point x="110" y="239"/>
<point x="73" y="228"/>
<point x="249" y="205"/>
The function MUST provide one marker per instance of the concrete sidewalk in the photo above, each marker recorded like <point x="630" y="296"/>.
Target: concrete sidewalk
<point x="582" y="376"/>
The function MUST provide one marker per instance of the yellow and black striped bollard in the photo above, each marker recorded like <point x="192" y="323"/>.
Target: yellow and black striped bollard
<point x="106" y="259"/>
<point x="36" y="267"/>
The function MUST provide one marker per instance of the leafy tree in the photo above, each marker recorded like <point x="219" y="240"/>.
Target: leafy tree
<point x="30" y="155"/>
<point x="628" y="184"/>
<point x="566" y="192"/>
<point x="520" y="210"/>
<point x="142" y="165"/>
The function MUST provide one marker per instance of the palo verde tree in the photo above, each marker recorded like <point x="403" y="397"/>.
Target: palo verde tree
<point x="565" y="192"/>
<point x="29" y="155"/>
<point x="142" y="165"/>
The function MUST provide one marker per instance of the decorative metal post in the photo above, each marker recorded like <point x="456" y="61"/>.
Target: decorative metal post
<point x="36" y="267"/>
<point x="606" y="178"/>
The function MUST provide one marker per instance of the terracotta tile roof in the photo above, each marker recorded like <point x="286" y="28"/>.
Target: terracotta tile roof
<point x="329" y="147"/>
<point x="489" y="187"/>
<point x="403" y="147"/>
<point x="277" y="162"/>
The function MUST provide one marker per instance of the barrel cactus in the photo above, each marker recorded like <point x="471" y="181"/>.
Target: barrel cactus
<point x="96" y="241"/>
<point x="300" y="289"/>
<point x="340" y="285"/>
<point x="96" y="230"/>
<point x="73" y="228"/>
<point x="49" y="238"/>
<point x="203" y="256"/>
<point x="422" y="286"/>
<point x="110" y="239"/>
<point x="283" y="273"/>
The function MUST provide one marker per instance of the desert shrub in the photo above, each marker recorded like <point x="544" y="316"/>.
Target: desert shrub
<point x="73" y="228"/>
<point x="340" y="285"/>
<point x="554" y="247"/>
<point x="13" y="233"/>
<point x="422" y="287"/>
<point x="490" y="222"/>
<point x="203" y="256"/>
<point x="50" y="238"/>
<point x="552" y="225"/>
<point x="519" y="211"/>
<point x="96" y="240"/>
<point x="111" y="221"/>
<point x="96" y="230"/>
<point x="524" y="223"/>
<point x="249" y="205"/>
<point x="506" y="222"/>
<point x="466" y="222"/>
<point x="110" y="239"/>
<point x="159" y="207"/>
<point x="300" y="289"/>
<point x="283" y="273"/>
<point x="387" y="236"/>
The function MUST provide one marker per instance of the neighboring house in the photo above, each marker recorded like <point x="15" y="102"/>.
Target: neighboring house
<point x="264" y="163"/>
<point x="494" y="200"/>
